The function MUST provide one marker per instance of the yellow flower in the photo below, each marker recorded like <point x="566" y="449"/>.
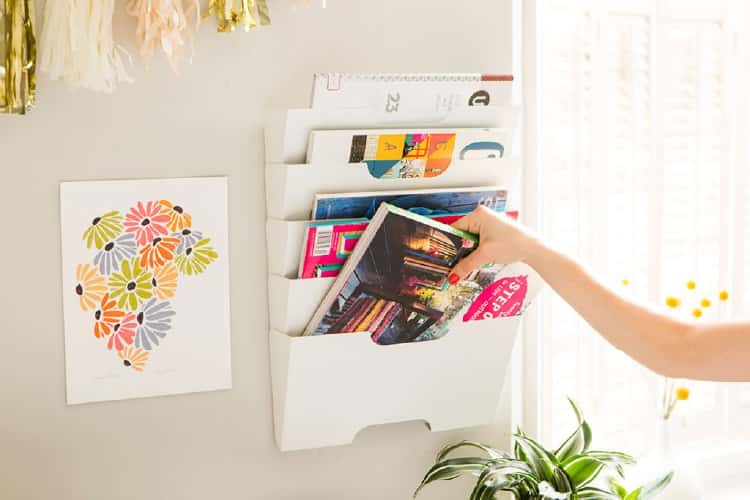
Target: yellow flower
<point x="673" y="302"/>
<point x="682" y="393"/>
<point x="705" y="303"/>
<point x="723" y="295"/>
<point x="133" y="358"/>
<point x="691" y="285"/>
<point x="697" y="313"/>
<point x="625" y="282"/>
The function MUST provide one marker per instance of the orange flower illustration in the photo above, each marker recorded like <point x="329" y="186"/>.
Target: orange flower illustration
<point x="165" y="281"/>
<point x="178" y="218"/>
<point x="133" y="358"/>
<point x="158" y="252"/>
<point x="90" y="286"/>
<point x="106" y="317"/>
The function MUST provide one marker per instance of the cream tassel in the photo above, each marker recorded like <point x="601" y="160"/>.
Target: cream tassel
<point x="166" y="24"/>
<point x="77" y="45"/>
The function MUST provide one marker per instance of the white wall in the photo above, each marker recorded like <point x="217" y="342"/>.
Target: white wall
<point x="205" y="122"/>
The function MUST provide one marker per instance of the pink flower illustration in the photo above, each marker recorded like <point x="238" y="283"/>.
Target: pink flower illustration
<point x="146" y="221"/>
<point x="122" y="333"/>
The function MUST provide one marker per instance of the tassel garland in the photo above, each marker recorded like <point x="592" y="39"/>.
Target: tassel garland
<point x="77" y="45"/>
<point x="233" y="14"/>
<point x="17" y="56"/>
<point x="168" y="24"/>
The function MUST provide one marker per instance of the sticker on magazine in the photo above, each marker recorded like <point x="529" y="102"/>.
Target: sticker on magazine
<point x="502" y="299"/>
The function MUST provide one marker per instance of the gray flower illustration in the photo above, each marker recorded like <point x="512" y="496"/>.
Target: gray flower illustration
<point x="108" y="259"/>
<point x="187" y="238"/>
<point x="154" y="322"/>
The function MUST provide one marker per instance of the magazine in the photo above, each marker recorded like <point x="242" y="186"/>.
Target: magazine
<point x="396" y="154"/>
<point x="424" y="202"/>
<point x="329" y="243"/>
<point x="394" y="285"/>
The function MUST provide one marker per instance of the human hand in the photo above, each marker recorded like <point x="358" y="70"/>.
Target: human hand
<point x="501" y="240"/>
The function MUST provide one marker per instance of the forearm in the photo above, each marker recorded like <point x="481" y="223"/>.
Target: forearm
<point x="663" y="344"/>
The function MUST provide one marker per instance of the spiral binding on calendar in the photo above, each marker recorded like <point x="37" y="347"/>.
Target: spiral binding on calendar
<point x="407" y="77"/>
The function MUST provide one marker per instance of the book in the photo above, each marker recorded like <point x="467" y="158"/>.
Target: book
<point x="329" y="243"/>
<point x="396" y="153"/>
<point x="398" y="94"/>
<point x="394" y="285"/>
<point x="421" y="201"/>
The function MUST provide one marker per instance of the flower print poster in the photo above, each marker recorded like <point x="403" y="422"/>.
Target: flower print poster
<point x="145" y="287"/>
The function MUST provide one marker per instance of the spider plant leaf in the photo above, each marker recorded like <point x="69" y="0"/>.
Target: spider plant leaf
<point x="563" y="482"/>
<point x="579" y="441"/>
<point x="591" y="493"/>
<point x="582" y="469"/>
<point x="635" y="494"/>
<point x="493" y="480"/>
<point x="541" y="462"/>
<point x="611" y="457"/>
<point x="617" y="488"/>
<point x="502" y="474"/>
<point x="652" y="489"/>
<point x="482" y="492"/>
<point x="453" y="468"/>
<point x="491" y="452"/>
<point x="546" y="490"/>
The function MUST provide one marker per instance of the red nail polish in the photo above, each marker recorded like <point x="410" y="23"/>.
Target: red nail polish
<point x="453" y="278"/>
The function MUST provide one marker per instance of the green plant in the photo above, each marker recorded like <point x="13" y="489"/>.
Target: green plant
<point x="571" y="472"/>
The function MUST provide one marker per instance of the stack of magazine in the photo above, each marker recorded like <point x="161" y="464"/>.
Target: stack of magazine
<point x="391" y="251"/>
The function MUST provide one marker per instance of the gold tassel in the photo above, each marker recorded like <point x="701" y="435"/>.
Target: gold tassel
<point x="17" y="56"/>
<point x="233" y="14"/>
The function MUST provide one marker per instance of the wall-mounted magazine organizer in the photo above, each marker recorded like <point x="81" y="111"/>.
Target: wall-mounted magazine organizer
<point x="290" y="189"/>
<point x="328" y="388"/>
<point x="287" y="131"/>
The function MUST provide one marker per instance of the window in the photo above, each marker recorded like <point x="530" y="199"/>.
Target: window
<point x="642" y="176"/>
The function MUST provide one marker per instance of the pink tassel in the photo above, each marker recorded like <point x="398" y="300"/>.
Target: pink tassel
<point x="168" y="24"/>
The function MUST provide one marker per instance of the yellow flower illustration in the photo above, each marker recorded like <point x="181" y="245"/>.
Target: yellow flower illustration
<point x="723" y="295"/>
<point x="164" y="281"/>
<point x="625" y="282"/>
<point x="682" y="393"/>
<point x="133" y="358"/>
<point x="691" y="285"/>
<point x="90" y="286"/>
<point x="705" y="303"/>
<point x="697" y="313"/>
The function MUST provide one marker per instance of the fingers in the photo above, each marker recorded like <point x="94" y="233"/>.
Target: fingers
<point x="470" y="222"/>
<point x="473" y="261"/>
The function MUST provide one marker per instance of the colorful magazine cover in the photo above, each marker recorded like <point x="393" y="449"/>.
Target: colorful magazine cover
<point x="423" y="202"/>
<point x="398" y="154"/>
<point x="397" y="289"/>
<point x="328" y="244"/>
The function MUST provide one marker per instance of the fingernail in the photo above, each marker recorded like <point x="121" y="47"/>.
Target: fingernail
<point x="453" y="278"/>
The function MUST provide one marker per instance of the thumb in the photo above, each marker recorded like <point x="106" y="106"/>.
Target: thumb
<point x="473" y="261"/>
